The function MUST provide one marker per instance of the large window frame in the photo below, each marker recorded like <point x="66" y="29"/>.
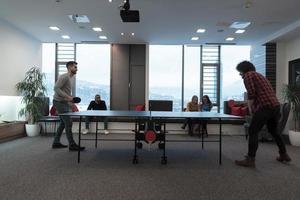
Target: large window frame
<point x="213" y="61"/>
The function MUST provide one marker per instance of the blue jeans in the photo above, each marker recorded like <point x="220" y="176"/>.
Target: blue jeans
<point x="65" y="122"/>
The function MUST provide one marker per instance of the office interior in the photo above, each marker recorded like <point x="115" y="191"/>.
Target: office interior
<point x="270" y="35"/>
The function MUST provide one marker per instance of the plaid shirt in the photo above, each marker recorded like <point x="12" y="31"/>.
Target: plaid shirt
<point x="260" y="91"/>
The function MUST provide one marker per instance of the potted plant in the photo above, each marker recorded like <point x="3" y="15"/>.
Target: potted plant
<point x="291" y="93"/>
<point x="31" y="88"/>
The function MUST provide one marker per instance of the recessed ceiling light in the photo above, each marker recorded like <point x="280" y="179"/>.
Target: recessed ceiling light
<point x="240" y="31"/>
<point x="102" y="37"/>
<point x="97" y="29"/>
<point x="54" y="28"/>
<point x="132" y="34"/>
<point x="122" y="33"/>
<point x="195" y="38"/>
<point x="65" y="37"/>
<point x="110" y="1"/>
<point x="240" y="25"/>
<point x="229" y="39"/>
<point x="201" y="30"/>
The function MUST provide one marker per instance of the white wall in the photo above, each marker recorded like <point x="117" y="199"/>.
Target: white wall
<point x="18" y="52"/>
<point x="286" y="51"/>
<point x="9" y="108"/>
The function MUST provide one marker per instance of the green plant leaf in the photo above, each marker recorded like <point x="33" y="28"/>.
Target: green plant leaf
<point x="30" y="88"/>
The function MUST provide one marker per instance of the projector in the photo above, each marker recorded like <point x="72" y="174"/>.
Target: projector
<point x="130" y="15"/>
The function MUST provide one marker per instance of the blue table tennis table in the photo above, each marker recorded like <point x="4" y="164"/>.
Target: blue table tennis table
<point x="154" y="117"/>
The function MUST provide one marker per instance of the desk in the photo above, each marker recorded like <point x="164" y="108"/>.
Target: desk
<point x="154" y="116"/>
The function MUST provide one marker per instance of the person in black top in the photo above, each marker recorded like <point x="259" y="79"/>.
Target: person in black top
<point x="97" y="104"/>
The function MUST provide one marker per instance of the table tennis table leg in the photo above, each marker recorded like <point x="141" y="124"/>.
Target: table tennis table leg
<point x="135" y="159"/>
<point x="164" y="157"/>
<point x="79" y="140"/>
<point x="220" y="142"/>
<point x="96" y="139"/>
<point x="202" y="139"/>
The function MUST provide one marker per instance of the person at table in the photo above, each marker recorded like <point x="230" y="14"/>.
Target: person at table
<point x="96" y="104"/>
<point x="265" y="109"/>
<point x="192" y="106"/>
<point x="205" y="106"/>
<point x="63" y="101"/>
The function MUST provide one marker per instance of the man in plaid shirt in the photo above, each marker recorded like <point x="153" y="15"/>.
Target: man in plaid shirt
<point x="265" y="109"/>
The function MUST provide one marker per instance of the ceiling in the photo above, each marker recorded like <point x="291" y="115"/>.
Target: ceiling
<point x="161" y="21"/>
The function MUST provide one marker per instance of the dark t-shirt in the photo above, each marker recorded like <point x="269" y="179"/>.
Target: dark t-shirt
<point x="97" y="106"/>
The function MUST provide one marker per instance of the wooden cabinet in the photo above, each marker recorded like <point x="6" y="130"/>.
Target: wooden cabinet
<point x="12" y="130"/>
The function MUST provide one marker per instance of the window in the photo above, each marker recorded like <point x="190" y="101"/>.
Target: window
<point x="165" y="74"/>
<point x="93" y="75"/>
<point x="65" y="53"/>
<point x="192" y="62"/>
<point x="232" y="83"/>
<point x="48" y="68"/>
<point x="210" y="73"/>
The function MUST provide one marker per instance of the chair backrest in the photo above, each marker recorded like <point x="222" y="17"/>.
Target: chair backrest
<point x="139" y="108"/>
<point x="160" y="105"/>
<point x="284" y="111"/>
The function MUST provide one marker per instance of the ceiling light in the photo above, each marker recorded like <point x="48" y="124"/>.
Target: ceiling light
<point x="240" y="25"/>
<point x="102" y="37"/>
<point x="195" y="38"/>
<point x="65" y="37"/>
<point x="110" y="1"/>
<point x="229" y="39"/>
<point x="54" y="28"/>
<point x="132" y="34"/>
<point x="240" y="31"/>
<point x="122" y="33"/>
<point x="201" y="30"/>
<point x="97" y="29"/>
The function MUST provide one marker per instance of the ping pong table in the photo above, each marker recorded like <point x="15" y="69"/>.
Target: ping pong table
<point x="159" y="117"/>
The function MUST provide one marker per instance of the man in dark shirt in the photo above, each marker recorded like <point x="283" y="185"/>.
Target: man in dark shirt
<point x="265" y="109"/>
<point x="97" y="104"/>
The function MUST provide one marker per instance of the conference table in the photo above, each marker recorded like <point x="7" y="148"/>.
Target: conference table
<point x="148" y="118"/>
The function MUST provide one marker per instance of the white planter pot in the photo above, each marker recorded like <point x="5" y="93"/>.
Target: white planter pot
<point x="294" y="138"/>
<point x="32" y="129"/>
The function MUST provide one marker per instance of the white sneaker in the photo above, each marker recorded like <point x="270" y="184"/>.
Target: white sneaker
<point x="85" y="131"/>
<point x="106" y="132"/>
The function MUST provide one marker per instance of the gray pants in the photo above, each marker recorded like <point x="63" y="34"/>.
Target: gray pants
<point x="65" y="122"/>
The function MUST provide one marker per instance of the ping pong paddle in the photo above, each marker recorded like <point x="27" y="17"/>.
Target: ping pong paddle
<point x="76" y="99"/>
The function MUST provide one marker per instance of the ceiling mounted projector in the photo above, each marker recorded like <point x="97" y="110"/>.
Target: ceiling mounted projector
<point x="128" y="15"/>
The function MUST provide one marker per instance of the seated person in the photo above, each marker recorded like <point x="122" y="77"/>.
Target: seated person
<point x="97" y="104"/>
<point x="205" y="106"/>
<point x="192" y="106"/>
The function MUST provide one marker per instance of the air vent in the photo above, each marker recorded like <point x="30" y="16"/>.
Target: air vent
<point x="79" y="18"/>
<point x="240" y="25"/>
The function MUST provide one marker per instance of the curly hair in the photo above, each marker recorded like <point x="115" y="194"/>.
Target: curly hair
<point x="245" y="66"/>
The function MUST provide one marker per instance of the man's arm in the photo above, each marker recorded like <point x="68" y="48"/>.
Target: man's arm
<point x="250" y="103"/>
<point x="249" y="85"/>
<point x="90" y="106"/>
<point x="104" y="105"/>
